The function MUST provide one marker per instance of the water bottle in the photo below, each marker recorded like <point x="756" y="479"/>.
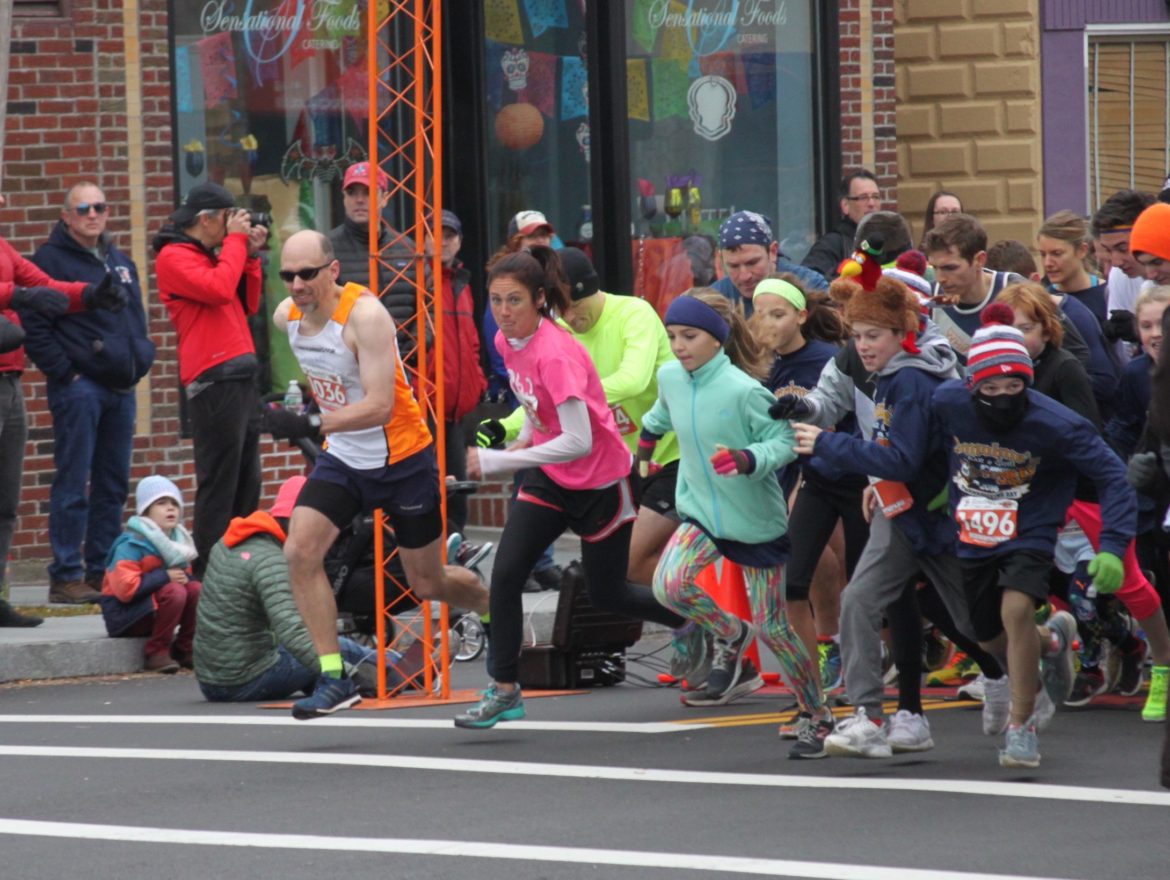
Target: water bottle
<point x="294" y="401"/>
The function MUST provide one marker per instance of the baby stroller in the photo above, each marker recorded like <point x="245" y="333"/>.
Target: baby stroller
<point x="350" y="567"/>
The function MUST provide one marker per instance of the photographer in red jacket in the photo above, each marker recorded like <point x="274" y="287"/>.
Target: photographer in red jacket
<point x="210" y="280"/>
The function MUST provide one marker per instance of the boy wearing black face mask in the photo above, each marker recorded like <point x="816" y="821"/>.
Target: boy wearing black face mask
<point x="1014" y="458"/>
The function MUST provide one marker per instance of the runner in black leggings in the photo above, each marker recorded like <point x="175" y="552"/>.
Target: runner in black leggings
<point x="580" y="471"/>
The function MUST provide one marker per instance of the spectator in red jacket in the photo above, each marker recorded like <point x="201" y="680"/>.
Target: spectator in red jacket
<point x="209" y="278"/>
<point x="463" y="379"/>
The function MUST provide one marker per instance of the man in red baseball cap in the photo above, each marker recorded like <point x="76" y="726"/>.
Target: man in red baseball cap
<point x="351" y="244"/>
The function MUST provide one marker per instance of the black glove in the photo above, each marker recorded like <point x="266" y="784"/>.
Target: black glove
<point x="286" y="425"/>
<point x="1120" y="326"/>
<point x="11" y="335"/>
<point x="490" y="434"/>
<point x="1142" y="470"/>
<point x="105" y="295"/>
<point x="40" y="300"/>
<point x="790" y="406"/>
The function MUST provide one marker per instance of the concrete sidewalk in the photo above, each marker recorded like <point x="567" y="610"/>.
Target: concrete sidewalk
<point x="67" y="647"/>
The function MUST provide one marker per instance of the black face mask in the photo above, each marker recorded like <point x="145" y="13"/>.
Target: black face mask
<point x="1002" y="412"/>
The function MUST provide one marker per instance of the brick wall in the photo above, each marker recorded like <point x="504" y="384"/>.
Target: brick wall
<point x="968" y="86"/>
<point x="868" y="123"/>
<point x="68" y="121"/>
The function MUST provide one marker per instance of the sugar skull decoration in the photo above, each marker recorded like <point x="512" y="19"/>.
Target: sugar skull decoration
<point x="515" y="63"/>
<point x="712" y="105"/>
<point x="583" y="139"/>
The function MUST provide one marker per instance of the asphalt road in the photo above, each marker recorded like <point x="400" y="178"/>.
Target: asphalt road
<point x="139" y="778"/>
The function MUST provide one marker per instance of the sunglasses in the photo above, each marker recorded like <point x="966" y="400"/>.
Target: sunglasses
<point x="304" y="274"/>
<point x="85" y="207"/>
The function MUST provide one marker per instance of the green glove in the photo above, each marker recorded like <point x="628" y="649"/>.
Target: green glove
<point x="1107" y="572"/>
<point x="940" y="500"/>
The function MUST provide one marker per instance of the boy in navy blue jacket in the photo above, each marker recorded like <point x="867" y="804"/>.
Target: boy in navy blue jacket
<point x="1014" y="458"/>
<point x="909" y="536"/>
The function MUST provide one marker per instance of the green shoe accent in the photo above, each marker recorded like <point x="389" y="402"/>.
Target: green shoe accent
<point x="1155" y="708"/>
<point x="495" y="705"/>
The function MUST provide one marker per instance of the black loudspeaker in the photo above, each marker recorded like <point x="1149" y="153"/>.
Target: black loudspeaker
<point x="588" y="647"/>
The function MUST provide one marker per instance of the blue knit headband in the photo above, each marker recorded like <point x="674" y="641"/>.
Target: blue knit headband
<point x="693" y="312"/>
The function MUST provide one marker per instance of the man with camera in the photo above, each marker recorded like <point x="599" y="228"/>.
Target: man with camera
<point x="210" y="280"/>
<point x="92" y="361"/>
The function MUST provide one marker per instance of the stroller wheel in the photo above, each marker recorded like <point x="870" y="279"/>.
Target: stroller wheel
<point x="472" y="638"/>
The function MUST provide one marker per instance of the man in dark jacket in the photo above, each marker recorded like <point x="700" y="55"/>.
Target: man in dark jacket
<point x="351" y="245"/>
<point x="92" y="361"/>
<point x="25" y="290"/>
<point x="209" y="278"/>
<point x="860" y="195"/>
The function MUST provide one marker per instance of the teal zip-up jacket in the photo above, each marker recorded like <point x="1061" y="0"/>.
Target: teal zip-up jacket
<point x="720" y="404"/>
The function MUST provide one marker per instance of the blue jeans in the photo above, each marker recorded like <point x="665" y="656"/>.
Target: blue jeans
<point x="287" y="677"/>
<point x="93" y="433"/>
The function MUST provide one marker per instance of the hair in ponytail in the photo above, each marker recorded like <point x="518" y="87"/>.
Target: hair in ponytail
<point x="741" y="346"/>
<point x="539" y="270"/>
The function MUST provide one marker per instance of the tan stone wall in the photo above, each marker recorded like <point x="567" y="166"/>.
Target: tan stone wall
<point x="968" y="91"/>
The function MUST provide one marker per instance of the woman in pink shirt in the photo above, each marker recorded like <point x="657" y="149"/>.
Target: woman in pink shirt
<point x="580" y="477"/>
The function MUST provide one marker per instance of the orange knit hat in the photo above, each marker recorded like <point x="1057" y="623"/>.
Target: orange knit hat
<point x="1151" y="231"/>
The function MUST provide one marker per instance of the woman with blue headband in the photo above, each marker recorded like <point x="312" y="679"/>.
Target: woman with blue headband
<point x="728" y="496"/>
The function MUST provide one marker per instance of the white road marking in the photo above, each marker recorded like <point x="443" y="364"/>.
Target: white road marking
<point x="483" y="850"/>
<point x="351" y="720"/>
<point x="1037" y="791"/>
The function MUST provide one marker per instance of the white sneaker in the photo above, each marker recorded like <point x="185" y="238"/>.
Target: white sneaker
<point x="858" y="737"/>
<point x="997" y="705"/>
<point x="909" y="732"/>
<point x="973" y="689"/>
<point x="1043" y="709"/>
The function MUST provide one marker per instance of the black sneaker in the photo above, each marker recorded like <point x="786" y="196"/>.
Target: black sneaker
<point x="726" y="663"/>
<point x="1088" y="683"/>
<point x="750" y="681"/>
<point x="1132" y="663"/>
<point x="9" y="616"/>
<point x="810" y="740"/>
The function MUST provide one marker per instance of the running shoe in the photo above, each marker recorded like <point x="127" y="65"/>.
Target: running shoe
<point x="749" y="681"/>
<point x="791" y="729"/>
<point x="1155" y="707"/>
<point x="329" y="696"/>
<point x="859" y="737"/>
<point x="495" y="704"/>
<point x="469" y="555"/>
<point x="454" y="542"/>
<point x="829" y="655"/>
<point x="1057" y="670"/>
<point x="936" y="649"/>
<point x="1020" y="747"/>
<point x="726" y="664"/>
<point x="909" y="732"/>
<point x="997" y="705"/>
<point x="960" y="669"/>
<point x="689" y="651"/>
<point x="1133" y="662"/>
<point x="975" y="689"/>
<point x="1089" y="682"/>
<point x="810" y="742"/>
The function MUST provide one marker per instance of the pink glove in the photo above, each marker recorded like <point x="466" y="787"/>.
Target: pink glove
<point x="732" y="461"/>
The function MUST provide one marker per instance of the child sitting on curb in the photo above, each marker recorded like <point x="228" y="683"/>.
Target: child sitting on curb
<point x="148" y="590"/>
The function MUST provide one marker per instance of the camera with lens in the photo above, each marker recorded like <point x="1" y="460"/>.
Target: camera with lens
<point x="260" y="218"/>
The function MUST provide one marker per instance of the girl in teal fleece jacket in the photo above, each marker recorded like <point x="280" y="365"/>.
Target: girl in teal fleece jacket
<point x="729" y="497"/>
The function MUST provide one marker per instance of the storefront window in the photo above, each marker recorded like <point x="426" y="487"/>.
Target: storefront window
<point x="270" y="101"/>
<point x="537" y="112"/>
<point x="720" y="96"/>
